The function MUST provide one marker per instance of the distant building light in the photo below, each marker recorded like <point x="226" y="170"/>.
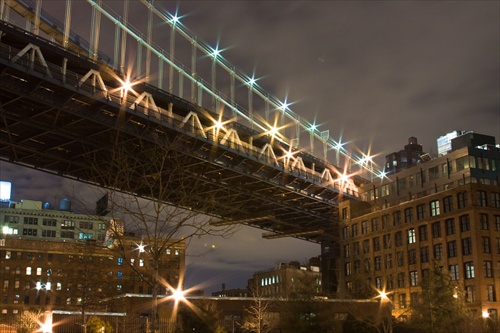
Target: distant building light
<point x="5" y="190"/>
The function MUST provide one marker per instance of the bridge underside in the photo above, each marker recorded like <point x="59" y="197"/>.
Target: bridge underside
<point x="53" y="121"/>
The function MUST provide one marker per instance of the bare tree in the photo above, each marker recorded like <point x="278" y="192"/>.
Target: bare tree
<point x="88" y="279"/>
<point x="259" y="316"/>
<point x="156" y="185"/>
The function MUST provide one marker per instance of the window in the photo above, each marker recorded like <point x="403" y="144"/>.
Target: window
<point x="450" y="226"/>
<point x="345" y="234"/>
<point x="462" y="199"/>
<point x="367" y="265"/>
<point x="141" y="262"/>
<point x="484" y="221"/>
<point x="400" y="257"/>
<point x="396" y="218"/>
<point x="466" y="246"/>
<point x="387" y="241"/>
<point x="411" y="236"/>
<point x="384" y="190"/>
<point x="67" y="234"/>
<point x="348" y="269"/>
<point x="495" y="199"/>
<point x="422" y="232"/>
<point x="481" y="198"/>
<point x="356" y="248"/>
<point x="453" y="272"/>
<point x="101" y="226"/>
<point x="385" y="221"/>
<point x="420" y="212"/>
<point x="408" y="214"/>
<point x="399" y="238"/>
<point x="452" y="249"/>
<point x="83" y="235"/>
<point x="470" y="294"/>
<point x="375" y="224"/>
<point x="31" y="220"/>
<point x="402" y="301"/>
<point x="49" y="233"/>
<point x="366" y="246"/>
<point x="401" y="280"/>
<point x="412" y="257"/>
<point x="86" y="225"/>
<point x="119" y="275"/>
<point x="434" y="172"/>
<point x="30" y="232"/>
<point x="497" y="222"/>
<point x="464" y="223"/>
<point x="39" y="271"/>
<point x="436" y="230"/>
<point x="485" y="242"/>
<point x="378" y="263"/>
<point x="49" y="222"/>
<point x="434" y="207"/>
<point x="376" y="244"/>
<point x="490" y="293"/>
<point x="354" y="229"/>
<point x="413" y="278"/>
<point x="438" y="251"/>
<point x="424" y="254"/>
<point x="388" y="260"/>
<point x="364" y="227"/>
<point x="469" y="270"/>
<point x="345" y="214"/>
<point x="120" y="261"/>
<point x="67" y="224"/>
<point x="379" y="283"/>
<point x="357" y="267"/>
<point x="462" y="163"/>
<point x="28" y="270"/>
<point x="488" y="269"/>
<point x="447" y="204"/>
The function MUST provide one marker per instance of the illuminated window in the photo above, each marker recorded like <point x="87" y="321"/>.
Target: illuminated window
<point x="141" y="262"/>
<point x="469" y="270"/>
<point x="413" y="278"/>
<point x="28" y="270"/>
<point x="453" y="269"/>
<point x="411" y="236"/>
<point x="39" y="271"/>
<point x="434" y="206"/>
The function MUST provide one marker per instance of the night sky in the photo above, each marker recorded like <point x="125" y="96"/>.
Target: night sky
<point x="372" y="73"/>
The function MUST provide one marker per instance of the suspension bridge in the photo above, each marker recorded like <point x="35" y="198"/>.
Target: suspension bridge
<point x="63" y="97"/>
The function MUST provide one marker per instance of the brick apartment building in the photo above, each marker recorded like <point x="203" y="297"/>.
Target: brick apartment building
<point x="444" y="210"/>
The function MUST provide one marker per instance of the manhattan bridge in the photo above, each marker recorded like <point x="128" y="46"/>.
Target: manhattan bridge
<point x="63" y="96"/>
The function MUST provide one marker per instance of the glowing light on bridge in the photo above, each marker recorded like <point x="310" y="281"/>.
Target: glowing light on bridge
<point x="252" y="81"/>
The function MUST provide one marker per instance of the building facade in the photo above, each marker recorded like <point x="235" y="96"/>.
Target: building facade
<point x="58" y="260"/>
<point x="287" y="280"/>
<point x="445" y="212"/>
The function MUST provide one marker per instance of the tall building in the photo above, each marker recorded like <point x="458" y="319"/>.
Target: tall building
<point x="443" y="211"/>
<point x="54" y="259"/>
<point x="410" y="156"/>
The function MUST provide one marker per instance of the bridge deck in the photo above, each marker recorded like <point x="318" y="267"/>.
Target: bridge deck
<point x="52" y="121"/>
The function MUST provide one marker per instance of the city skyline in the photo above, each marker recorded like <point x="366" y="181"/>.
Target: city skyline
<point x="372" y="73"/>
